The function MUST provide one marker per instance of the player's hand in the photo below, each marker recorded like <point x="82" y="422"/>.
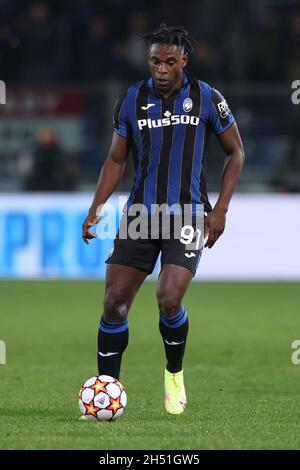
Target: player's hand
<point x="214" y="225"/>
<point x="89" y="222"/>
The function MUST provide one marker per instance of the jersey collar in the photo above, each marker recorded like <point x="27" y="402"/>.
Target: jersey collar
<point x="186" y="81"/>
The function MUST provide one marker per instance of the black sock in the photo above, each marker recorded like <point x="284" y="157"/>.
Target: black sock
<point x="112" y="342"/>
<point x="174" y="330"/>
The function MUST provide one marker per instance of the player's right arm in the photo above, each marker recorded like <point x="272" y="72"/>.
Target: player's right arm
<point x="110" y="176"/>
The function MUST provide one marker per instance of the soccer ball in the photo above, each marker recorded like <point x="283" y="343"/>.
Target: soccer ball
<point x="102" y="398"/>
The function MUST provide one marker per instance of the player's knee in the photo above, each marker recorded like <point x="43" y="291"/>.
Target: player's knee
<point x="115" y="310"/>
<point x="168" y="304"/>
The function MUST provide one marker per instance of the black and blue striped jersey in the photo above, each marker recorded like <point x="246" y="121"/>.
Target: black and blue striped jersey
<point x="168" y="139"/>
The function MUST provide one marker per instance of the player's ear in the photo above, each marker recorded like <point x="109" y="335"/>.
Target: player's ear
<point x="184" y="59"/>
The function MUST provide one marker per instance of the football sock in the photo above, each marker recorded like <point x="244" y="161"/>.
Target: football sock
<point x="112" y="342"/>
<point x="174" y="331"/>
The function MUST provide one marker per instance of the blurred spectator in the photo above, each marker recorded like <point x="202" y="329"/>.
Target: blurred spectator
<point x="48" y="168"/>
<point x="293" y="62"/>
<point x="120" y="69"/>
<point x="62" y="41"/>
<point x="266" y="48"/>
<point x="94" y="50"/>
<point x="118" y="12"/>
<point x="136" y="53"/>
<point x="9" y="53"/>
<point x="44" y="45"/>
<point x="204" y="62"/>
<point x="295" y="28"/>
<point x="45" y="40"/>
<point x="286" y="176"/>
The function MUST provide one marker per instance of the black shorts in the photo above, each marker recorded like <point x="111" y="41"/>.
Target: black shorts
<point x="142" y="253"/>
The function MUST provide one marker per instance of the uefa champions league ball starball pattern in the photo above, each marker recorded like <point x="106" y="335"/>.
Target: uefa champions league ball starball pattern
<point x="102" y="398"/>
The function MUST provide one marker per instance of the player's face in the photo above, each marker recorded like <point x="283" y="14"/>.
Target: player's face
<point x="166" y="66"/>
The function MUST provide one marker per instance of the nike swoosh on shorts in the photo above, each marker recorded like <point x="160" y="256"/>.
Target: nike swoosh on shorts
<point x="107" y="354"/>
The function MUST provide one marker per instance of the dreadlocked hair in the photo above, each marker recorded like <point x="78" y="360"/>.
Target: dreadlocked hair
<point x="172" y="35"/>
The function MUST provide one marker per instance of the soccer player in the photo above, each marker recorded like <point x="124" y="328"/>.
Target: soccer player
<point x="165" y="121"/>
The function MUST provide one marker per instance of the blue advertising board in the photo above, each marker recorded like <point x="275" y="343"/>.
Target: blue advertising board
<point x="41" y="237"/>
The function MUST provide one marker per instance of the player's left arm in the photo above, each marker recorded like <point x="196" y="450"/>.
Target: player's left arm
<point x="231" y="142"/>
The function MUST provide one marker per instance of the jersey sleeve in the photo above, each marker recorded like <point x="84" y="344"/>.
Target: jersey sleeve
<point x="120" y="120"/>
<point x="221" y="118"/>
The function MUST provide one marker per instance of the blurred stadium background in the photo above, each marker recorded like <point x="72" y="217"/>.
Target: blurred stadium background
<point x="64" y="63"/>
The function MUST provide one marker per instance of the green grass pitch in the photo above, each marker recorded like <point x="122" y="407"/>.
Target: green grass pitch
<point x="242" y="388"/>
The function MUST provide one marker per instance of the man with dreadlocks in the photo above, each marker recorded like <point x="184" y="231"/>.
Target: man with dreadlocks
<point x="165" y="121"/>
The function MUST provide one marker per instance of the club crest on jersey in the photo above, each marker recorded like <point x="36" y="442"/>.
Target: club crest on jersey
<point x="223" y="108"/>
<point x="187" y="105"/>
